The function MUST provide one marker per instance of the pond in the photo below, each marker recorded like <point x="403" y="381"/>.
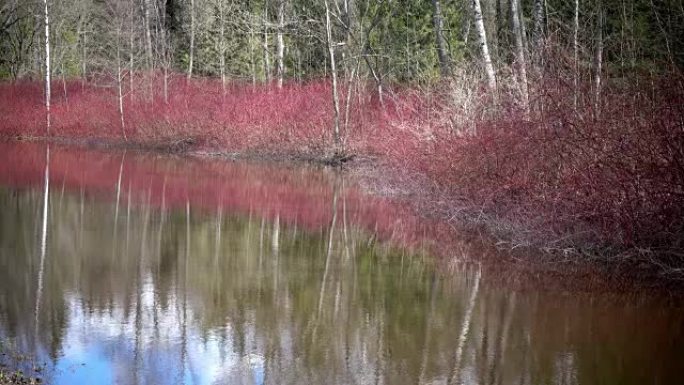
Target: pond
<point x="129" y="268"/>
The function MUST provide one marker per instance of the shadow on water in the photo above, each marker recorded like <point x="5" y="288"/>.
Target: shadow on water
<point x="133" y="269"/>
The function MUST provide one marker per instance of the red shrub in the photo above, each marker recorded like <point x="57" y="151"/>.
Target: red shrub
<point x="296" y="118"/>
<point x="576" y="177"/>
<point x="570" y="173"/>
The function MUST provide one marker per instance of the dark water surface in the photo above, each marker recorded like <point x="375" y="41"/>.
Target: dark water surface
<point x="121" y="268"/>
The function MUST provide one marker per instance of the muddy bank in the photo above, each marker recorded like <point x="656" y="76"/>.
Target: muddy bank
<point x="17" y="368"/>
<point x="199" y="147"/>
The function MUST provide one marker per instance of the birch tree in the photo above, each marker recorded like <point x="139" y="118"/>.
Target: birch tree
<point x="222" y="44"/>
<point x="280" y="43"/>
<point x="482" y="35"/>
<point x="267" y="60"/>
<point x="337" y="141"/>
<point x="575" y="48"/>
<point x="119" y="81"/>
<point x="115" y="23"/>
<point x="438" y="23"/>
<point x="145" y="5"/>
<point x="538" y="11"/>
<point x="165" y="47"/>
<point x="47" y="67"/>
<point x="518" y="34"/>
<point x="192" y="38"/>
<point x="598" y="60"/>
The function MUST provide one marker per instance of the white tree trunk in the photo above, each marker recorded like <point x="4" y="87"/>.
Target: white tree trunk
<point x="576" y="54"/>
<point x="333" y="70"/>
<point x="252" y="61"/>
<point x="131" y="34"/>
<point x="438" y="25"/>
<point x="350" y="89"/>
<point x="280" y="53"/>
<point x="520" y="52"/>
<point x="47" y="67"/>
<point x="267" y="60"/>
<point x="538" y="21"/>
<point x="85" y="56"/>
<point x="482" y="34"/>
<point x="148" y="33"/>
<point x="64" y="86"/>
<point x="598" y="62"/>
<point x="351" y="11"/>
<point x="165" y="50"/>
<point x="119" y="83"/>
<point x="222" y="47"/>
<point x="192" y="38"/>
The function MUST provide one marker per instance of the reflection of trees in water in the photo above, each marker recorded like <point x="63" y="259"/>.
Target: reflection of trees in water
<point x="43" y="236"/>
<point x="179" y="294"/>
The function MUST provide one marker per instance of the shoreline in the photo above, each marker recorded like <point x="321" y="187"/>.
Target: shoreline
<point x="190" y="147"/>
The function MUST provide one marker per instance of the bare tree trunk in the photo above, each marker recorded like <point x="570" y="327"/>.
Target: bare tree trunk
<point x="664" y="33"/>
<point x="252" y="61"/>
<point x="598" y="61"/>
<point x="523" y="27"/>
<point x="267" y="61"/>
<point x="222" y="48"/>
<point x="130" y="53"/>
<point x="298" y="65"/>
<point x="438" y="24"/>
<point x="47" y="68"/>
<point x="165" y="51"/>
<point x="520" y="53"/>
<point x="192" y="38"/>
<point x="166" y="83"/>
<point x="350" y="89"/>
<point x="575" y="48"/>
<point x="280" y="52"/>
<point x="64" y="86"/>
<point x="350" y="12"/>
<point x="84" y="42"/>
<point x="501" y="29"/>
<point x="148" y="33"/>
<point x="407" y="47"/>
<point x="145" y="8"/>
<point x="482" y="34"/>
<point x="376" y="76"/>
<point x="333" y="70"/>
<point x="119" y="83"/>
<point x="538" y="23"/>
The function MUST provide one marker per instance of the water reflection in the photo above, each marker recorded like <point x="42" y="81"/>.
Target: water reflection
<point x="146" y="285"/>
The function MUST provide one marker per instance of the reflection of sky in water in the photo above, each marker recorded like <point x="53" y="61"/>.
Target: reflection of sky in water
<point x="100" y="348"/>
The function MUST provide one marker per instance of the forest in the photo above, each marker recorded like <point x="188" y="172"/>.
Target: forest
<point x="557" y="125"/>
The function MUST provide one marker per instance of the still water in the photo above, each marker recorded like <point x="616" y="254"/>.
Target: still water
<point x="122" y="268"/>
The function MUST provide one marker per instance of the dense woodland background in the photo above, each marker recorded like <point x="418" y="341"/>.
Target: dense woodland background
<point x="388" y="41"/>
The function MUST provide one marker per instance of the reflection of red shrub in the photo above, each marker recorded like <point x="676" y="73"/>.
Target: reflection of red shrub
<point x="301" y="196"/>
